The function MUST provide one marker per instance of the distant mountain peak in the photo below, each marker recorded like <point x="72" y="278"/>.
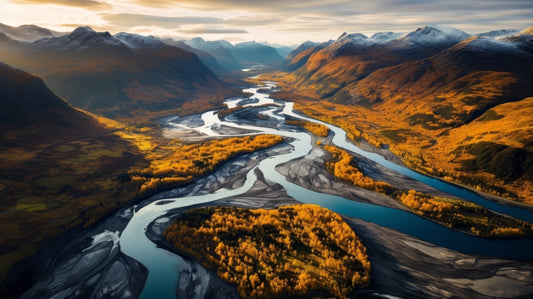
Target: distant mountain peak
<point x="27" y="33"/>
<point x="249" y="43"/>
<point x="352" y="36"/>
<point x="82" y="38"/>
<point x="135" y="41"/>
<point x="434" y="35"/>
<point x="82" y="30"/>
<point x="380" y="37"/>
<point x="198" y="39"/>
<point x="309" y="43"/>
<point x="498" y="33"/>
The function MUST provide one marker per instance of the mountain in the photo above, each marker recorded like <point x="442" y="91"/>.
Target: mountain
<point x="118" y="76"/>
<point x="325" y="69"/>
<point x="135" y="41"/>
<point x="218" y="49"/>
<point x="61" y="168"/>
<point x="27" y="32"/>
<point x="499" y="33"/>
<point x="301" y="54"/>
<point x="381" y="37"/>
<point x="460" y="70"/>
<point x="232" y="57"/>
<point x="430" y="36"/>
<point x="250" y="53"/>
<point x="282" y="50"/>
<point x="209" y="60"/>
<point x="524" y="39"/>
<point x="30" y="112"/>
<point x="82" y="39"/>
<point x="447" y="108"/>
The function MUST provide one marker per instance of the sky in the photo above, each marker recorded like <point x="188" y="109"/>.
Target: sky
<point x="276" y="21"/>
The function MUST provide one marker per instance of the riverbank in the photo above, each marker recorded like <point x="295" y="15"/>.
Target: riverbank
<point x="252" y="181"/>
<point x="402" y="265"/>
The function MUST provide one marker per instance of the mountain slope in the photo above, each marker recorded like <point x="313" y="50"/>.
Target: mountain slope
<point x="449" y="114"/>
<point x="219" y="50"/>
<point x="249" y="53"/>
<point x="61" y="167"/>
<point x="325" y="69"/>
<point x="27" y="33"/>
<point x="30" y="112"/>
<point x="209" y="60"/>
<point x="101" y="73"/>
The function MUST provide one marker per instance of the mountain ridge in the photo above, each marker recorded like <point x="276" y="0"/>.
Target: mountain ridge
<point x="127" y="79"/>
<point x="430" y="93"/>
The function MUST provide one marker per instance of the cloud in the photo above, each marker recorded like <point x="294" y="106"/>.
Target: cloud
<point x="133" y="20"/>
<point x="343" y="7"/>
<point x="75" y="3"/>
<point x="209" y="30"/>
<point x="285" y="20"/>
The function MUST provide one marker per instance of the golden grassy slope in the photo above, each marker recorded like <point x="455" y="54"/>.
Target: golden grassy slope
<point x="431" y="137"/>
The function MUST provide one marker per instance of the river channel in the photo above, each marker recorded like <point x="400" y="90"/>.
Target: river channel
<point x="164" y="266"/>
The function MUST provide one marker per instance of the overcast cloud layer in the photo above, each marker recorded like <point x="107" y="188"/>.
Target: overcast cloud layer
<point x="282" y="21"/>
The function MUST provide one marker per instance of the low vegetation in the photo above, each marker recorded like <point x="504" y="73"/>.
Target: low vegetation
<point x="317" y="129"/>
<point x="343" y="167"/>
<point x="290" y="251"/>
<point x="425" y="141"/>
<point x="188" y="161"/>
<point x="454" y="213"/>
<point x="464" y="216"/>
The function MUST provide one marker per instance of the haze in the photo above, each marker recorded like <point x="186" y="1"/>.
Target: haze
<point x="286" y="22"/>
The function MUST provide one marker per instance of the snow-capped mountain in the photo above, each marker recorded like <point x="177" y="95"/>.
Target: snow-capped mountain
<point x="355" y="39"/>
<point x="524" y="39"/>
<point x="499" y="33"/>
<point x="27" y="33"/>
<point x="135" y="41"/>
<point x="482" y="44"/>
<point x="82" y="38"/>
<point x="383" y="37"/>
<point x="114" y="75"/>
<point x="431" y="36"/>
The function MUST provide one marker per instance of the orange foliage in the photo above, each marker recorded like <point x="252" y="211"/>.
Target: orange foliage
<point x="317" y="129"/>
<point x="429" y="130"/>
<point x="344" y="168"/>
<point x="289" y="251"/>
<point x="194" y="160"/>
<point x="463" y="215"/>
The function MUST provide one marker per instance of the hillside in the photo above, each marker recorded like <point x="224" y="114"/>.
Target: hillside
<point x="250" y="53"/>
<point x="63" y="167"/>
<point x="450" y="114"/>
<point x="115" y="77"/>
<point x="29" y="111"/>
<point x="323" y="70"/>
<point x="209" y="60"/>
<point x="27" y="32"/>
<point x="60" y="167"/>
<point x="219" y="50"/>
